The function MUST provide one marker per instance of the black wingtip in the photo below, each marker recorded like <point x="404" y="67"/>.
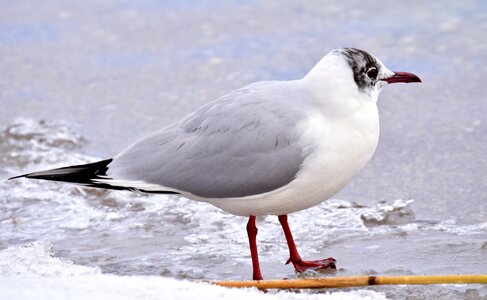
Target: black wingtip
<point x="85" y="175"/>
<point x="74" y="174"/>
<point x="19" y="176"/>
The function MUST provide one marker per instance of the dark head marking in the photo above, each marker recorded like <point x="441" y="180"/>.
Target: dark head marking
<point x="364" y="66"/>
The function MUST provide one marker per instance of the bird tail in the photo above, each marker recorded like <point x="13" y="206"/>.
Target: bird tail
<point x="92" y="174"/>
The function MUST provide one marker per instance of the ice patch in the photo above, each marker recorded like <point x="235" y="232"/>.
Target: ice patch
<point x="32" y="272"/>
<point x="150" y="287"/>
<point x="27" y="142"/>
<point x="398" y="212"/>
<point x="47" y="209"/>
<point x="452" y="227"/>
<point x="37" y="259"/>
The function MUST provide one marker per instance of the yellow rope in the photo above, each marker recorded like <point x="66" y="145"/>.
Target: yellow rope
<point x="334" y="282"/>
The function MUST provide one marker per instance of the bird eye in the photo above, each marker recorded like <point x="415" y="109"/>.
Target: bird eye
<point x="372" y="73"/>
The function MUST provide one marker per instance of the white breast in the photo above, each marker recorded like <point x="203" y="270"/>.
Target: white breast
<point x="338" y="148"/>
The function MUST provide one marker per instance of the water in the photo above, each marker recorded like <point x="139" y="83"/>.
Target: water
<point x="82" y="80"/>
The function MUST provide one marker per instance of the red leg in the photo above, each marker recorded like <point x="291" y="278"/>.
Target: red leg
<point x="299" y="264"/>
<point x="252" y="233"/>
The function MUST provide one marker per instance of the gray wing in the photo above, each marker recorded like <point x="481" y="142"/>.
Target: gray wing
<point x="242" y="144"/>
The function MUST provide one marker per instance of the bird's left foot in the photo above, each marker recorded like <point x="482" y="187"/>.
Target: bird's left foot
<point x="317" y="265"/>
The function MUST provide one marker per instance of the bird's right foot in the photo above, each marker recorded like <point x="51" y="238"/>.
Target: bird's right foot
<point x="317" y="265"/>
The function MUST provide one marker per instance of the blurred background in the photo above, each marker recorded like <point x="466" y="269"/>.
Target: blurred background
<point x="112" y="71"/>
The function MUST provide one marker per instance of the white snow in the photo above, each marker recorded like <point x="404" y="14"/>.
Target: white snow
<point x="32" y="272"/>
<point x="145" y="287"/>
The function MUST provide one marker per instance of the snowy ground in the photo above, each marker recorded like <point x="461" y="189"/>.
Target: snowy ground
<point x="32" y="272"/>
<point x="62" y="240"/>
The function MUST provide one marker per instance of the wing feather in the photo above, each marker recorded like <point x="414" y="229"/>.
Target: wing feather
<point x="242" y="144"/>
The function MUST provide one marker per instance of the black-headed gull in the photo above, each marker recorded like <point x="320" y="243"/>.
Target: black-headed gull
<point x="272" y="147"/>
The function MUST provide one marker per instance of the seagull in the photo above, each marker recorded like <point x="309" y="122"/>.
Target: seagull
<point x="269" y="148"/>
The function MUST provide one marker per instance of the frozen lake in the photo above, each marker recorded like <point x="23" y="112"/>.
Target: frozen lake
<point x="82" y="80"/>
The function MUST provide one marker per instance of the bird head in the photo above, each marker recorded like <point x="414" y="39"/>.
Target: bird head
<point x="358" y="71"/>
<point x="369" y="73"/>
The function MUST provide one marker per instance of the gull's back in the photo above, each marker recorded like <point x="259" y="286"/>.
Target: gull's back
<point x="244" y="143"/>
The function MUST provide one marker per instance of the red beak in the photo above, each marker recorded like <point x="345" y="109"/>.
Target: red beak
<point x="402" y="77"/>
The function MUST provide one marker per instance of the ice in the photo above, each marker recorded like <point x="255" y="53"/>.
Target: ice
<point x="29" y="142"/>
<point x="37" y="260"/>
<point x="47" y="277"/>
<point x="135" y="235"/>
<point x="453" y="227"/>
<point x="149" y="287"/>
<point x="399" y="212"/>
